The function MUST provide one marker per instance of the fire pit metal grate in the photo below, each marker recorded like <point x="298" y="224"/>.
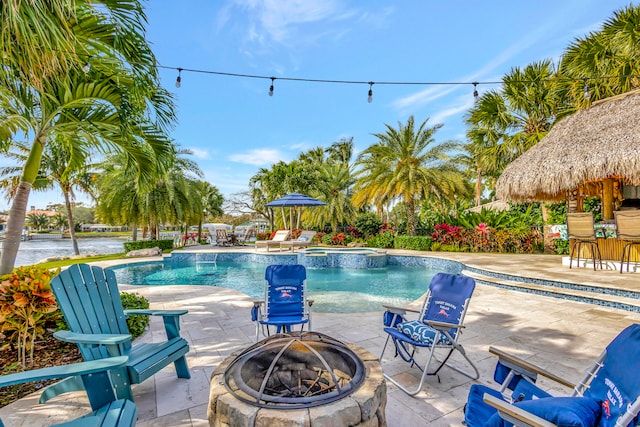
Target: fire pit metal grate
<point x="295" y="370"/>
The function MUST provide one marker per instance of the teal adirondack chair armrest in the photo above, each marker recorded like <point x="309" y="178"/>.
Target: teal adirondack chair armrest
<point x="113" y="342"/>
<point x="94" y="376"/>
<point x="63" y="371"/>
<point x="156" y="312"/>
<point x="171" y="319"/>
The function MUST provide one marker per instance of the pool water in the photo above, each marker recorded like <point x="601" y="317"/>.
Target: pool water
<point x="334" y="290"/>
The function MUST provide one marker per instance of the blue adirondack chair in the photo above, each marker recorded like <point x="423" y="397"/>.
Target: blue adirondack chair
<point x="100" y="378"/>
<point x="89" y="299"/>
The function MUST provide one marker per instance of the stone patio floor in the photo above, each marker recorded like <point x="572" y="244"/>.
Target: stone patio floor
<point x="561" y="336"/>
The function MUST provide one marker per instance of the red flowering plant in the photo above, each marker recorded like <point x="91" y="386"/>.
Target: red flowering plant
<point x="339" y="239"/>
<point x="387" y="227"/>
<point x="353" y="231"/>
<point x="447" y="234"/>
<point x="26" y="301"/>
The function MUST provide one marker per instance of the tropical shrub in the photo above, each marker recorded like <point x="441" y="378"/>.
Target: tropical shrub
<point x="336" y="239"/>
<point x="26" y="303"/>
<point x="144" y="244"/>
<point x="382" y="240"/>
<point x="416" y="243"/>
<point x="368" y="224"/>
<point x="561" y="246"/>
<point x="447" y="234"/>
<point x="137" y="323"/>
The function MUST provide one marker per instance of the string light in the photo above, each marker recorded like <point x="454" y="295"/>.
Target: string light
<point x="587" y="92"/>
<point x="475" y="84"/>
<point x="271" y="87"/>
<point x="179" y="78"/>
<point x="87" y="66"/>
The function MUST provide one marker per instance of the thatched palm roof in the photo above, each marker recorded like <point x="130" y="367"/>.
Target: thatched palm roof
<point x="600" y="142"/>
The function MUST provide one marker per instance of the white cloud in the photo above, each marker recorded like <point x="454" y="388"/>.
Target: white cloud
<point x="281" y="21"/>
<point x="461" y="104"/>
<point x="199" y="153"/>
<point x="258" y="157"/>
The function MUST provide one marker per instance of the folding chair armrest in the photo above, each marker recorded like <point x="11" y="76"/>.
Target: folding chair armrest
<point x="98" y="339"/>
<point x="400" y="310"/>
<point x="63" y="371"/>
<point x="529" y="366"/>
<point x="257" y="303"/>
<point x="442" y="325"/>
<point x="514" y="413"/>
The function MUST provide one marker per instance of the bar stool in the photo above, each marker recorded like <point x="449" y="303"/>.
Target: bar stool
<point x="628" y="229"/>
<point x="580" y="228"/>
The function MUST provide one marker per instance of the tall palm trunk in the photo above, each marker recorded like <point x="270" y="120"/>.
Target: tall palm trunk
<point x="478" y="188"/>
<point x="411" y="216"/>
<point x="72" y="231"/>
<point x="18" y="209"/>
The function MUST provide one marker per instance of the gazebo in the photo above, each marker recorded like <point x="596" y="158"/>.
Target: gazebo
<point x="593" y="152"/>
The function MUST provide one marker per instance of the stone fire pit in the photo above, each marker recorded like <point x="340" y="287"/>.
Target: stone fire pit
<point x="280" y="380"/>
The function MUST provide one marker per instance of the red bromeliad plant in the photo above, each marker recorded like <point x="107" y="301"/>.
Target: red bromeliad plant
<point x="25" y="301"/>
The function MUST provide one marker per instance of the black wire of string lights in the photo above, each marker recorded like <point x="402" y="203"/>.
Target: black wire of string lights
<point x="308" y="80"/>
<point x="86" y="67"/>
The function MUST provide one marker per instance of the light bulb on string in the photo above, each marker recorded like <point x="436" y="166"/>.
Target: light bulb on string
<point x="475" y="90"/>
<point x="271" y="87"/>
<point x="179" y="78"/>
<point x="370" y="97"/>
<point x="87" y="66"/>
<point x="587" y="92"/>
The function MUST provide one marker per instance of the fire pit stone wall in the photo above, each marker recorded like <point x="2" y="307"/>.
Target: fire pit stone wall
<point x="363" y="408"/>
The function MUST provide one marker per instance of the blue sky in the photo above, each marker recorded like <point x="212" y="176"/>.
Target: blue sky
<point x="234" y="127"/>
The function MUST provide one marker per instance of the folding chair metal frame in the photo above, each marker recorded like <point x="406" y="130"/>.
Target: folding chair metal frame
<point x="449" y="332"/>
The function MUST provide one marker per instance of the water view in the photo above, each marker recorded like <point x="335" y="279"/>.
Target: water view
<point x="34" y="251"/>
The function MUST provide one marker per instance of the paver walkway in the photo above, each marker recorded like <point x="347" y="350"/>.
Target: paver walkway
<point x="559" y="335"/>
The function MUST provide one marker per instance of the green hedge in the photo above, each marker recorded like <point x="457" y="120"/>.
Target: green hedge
<point x="144" y="244"/>
<point x="382" y="240"/>
<point x="416" y="243"/>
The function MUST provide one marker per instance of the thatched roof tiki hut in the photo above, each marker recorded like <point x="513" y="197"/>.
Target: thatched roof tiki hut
<point x="594" y="152"/>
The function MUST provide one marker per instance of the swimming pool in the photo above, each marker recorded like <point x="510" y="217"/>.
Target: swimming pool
<point x="334" y="290"/>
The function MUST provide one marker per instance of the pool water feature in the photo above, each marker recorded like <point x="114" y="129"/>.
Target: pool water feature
<point x="334" y="290"/>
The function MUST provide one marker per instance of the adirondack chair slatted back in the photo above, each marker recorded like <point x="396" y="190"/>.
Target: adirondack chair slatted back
<point x="91" y="304"/>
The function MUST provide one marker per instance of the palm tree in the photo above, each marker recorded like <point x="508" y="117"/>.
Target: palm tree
<point x="337" y="181"/>
<point x="605" y="61"/>
<point x="47" y="44"/>
<point x="115" y="106"/>
<point x="68" y="174"/>
<point x="404" y="165"/>
<point x="37" y="220"/>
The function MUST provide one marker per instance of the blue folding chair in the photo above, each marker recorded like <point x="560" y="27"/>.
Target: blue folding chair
<point x="438" y="326"/>
<point x="285" y="302"/>
<point x="607" y="395"/>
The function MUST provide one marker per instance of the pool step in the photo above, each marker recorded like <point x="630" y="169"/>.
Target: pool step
<point x="589" y="295"/>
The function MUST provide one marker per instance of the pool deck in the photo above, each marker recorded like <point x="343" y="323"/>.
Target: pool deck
<point x="561" y="336"/>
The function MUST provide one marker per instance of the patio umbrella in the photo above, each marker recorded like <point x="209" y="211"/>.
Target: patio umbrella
<point x="295" y="200"/>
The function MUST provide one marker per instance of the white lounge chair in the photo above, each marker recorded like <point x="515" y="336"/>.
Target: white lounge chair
<point x="303" y="241"/>
<point x="279" y="237"/>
